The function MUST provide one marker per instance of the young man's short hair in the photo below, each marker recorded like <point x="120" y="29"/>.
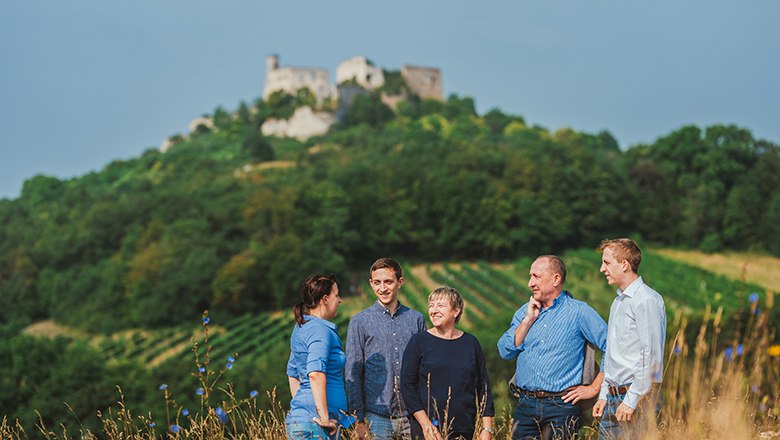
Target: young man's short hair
<point x="387" y="263"/>
<point x="624" y="249"/>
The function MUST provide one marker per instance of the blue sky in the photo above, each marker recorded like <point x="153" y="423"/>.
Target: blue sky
<point x="84" y="82"/>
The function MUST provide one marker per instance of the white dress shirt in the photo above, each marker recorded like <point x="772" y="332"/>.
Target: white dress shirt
<point x="635" y="342"/>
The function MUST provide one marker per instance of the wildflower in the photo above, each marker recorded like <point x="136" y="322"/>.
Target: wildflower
<point x="740" y="349"/>
<point x="773" y="350"/>
<point x="221" y="415"/>
<point x="753" y="297"/>
<point x="151" y="424"/>
<point x="677" y="349"/>
<point x="206" y="320"/>
<point x="200" y="391"/>
<point x="253" y="393"/>
<point x="729" y="353"/>
<point x="202" y="369"/>
<point x="175" y="429"/>
<point x="163" y="386"/>
<point x="229" y="366"/>
<point x="754" y="388"/>
<point x="185" y="412"/>
<point x="231" y="359"/>
<point x="757" y="311"/>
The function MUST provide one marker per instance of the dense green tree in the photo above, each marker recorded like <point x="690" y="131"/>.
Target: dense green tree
<point x="370" y="110"/>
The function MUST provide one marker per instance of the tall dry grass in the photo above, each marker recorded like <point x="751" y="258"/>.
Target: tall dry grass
<point x="711" y="389"/>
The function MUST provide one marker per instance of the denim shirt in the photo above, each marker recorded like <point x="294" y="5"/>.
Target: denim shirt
<point x="376" y="340"/>
<point x="316" y="346"/>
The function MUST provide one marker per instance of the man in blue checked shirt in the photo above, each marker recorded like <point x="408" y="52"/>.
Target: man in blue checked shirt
<point x="546" y="337"/>
<point x="376" y="340"/>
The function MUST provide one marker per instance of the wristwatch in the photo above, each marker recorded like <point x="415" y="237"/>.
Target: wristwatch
<point x="490" y="431"/>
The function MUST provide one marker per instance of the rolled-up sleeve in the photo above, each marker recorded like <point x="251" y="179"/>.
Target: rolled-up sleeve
<point x="291" y="370"/>
<point x="318" y="348"/>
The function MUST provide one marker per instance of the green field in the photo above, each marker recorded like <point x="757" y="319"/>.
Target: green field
<point x="492" y="293"/>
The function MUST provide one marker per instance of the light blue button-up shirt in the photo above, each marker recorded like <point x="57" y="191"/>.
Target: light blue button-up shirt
<point x="316" y="346"/>
<point x="552" y="354"/>
<point x="635" y="342"/>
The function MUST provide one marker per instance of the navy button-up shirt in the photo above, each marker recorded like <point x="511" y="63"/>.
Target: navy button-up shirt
<point x="376" y="340"/>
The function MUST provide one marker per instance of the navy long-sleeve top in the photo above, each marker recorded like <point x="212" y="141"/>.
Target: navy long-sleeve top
<point x="435" y="369"/>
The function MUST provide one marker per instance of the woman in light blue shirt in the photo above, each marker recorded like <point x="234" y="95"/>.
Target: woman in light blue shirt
<point x="316" y="366"/>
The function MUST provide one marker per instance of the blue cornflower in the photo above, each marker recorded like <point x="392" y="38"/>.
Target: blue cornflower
<point x="163" y="386"/>
<point x="200" y="391"/>
<point x="206" y="320"/>
<point x="253" y="393"/>
<point x="729" y="353"/>
<point x="202" y="369"/>
<point x="740" y="349"/>
<point x="185" y="412"/>
<point x="677" y="349"/>
<point x="757" y="311"/>
<point x="229" y="366"/>
<point x="175" y="429"/>
<point x="221" y="415"/>
<point x="151" y="424"/>
<point x="231" y="359"/>
<point x="754" y="388"/>
<point x="753" y="297"/>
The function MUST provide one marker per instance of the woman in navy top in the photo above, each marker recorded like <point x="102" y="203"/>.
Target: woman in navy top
<point x="444" y="381"/>
<point x="316" y="366"/>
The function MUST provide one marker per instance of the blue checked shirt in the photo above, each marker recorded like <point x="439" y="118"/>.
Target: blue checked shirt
<point x="375" y="345"/>
<point x="551" y="356"/>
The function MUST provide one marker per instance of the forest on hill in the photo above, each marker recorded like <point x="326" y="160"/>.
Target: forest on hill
<point x="230" y="221"/>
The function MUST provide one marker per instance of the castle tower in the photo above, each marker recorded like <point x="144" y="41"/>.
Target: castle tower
<point x="271" y="62"/>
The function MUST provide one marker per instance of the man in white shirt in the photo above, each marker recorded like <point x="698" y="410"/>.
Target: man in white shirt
<point x="636" y="332"/>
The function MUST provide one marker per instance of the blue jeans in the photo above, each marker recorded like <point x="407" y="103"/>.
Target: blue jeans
<point x="611" y="429"/>
<point x="545" y="418"/>
<point x="309" y="431"/>
<point x="386" y="428"/>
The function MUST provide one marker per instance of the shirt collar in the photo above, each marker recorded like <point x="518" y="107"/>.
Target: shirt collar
<point x="307" y="318"/>
<point x="559" y="300"/>
<point x="632" y="288"/>
<point x="382" y="309"/>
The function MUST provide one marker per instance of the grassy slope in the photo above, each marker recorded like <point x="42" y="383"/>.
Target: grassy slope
<point x="763" y="270"/>
<point x="493" y="292"/>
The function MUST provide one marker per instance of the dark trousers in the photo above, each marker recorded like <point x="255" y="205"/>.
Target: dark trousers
<point x="545" y="418"/>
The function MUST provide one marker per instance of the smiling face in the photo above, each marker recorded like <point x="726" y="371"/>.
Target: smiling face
<point x="612" y="269"/>
<point x="385" y="285"/>
<point x="545" y="284"/>
<point x="441" y="312"/>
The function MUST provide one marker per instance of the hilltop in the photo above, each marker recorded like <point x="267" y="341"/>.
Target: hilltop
<point x="230" y="221"/>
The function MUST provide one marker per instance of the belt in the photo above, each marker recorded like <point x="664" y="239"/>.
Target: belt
<point x="542" y="394"/>
<point x="619" y="391"/>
